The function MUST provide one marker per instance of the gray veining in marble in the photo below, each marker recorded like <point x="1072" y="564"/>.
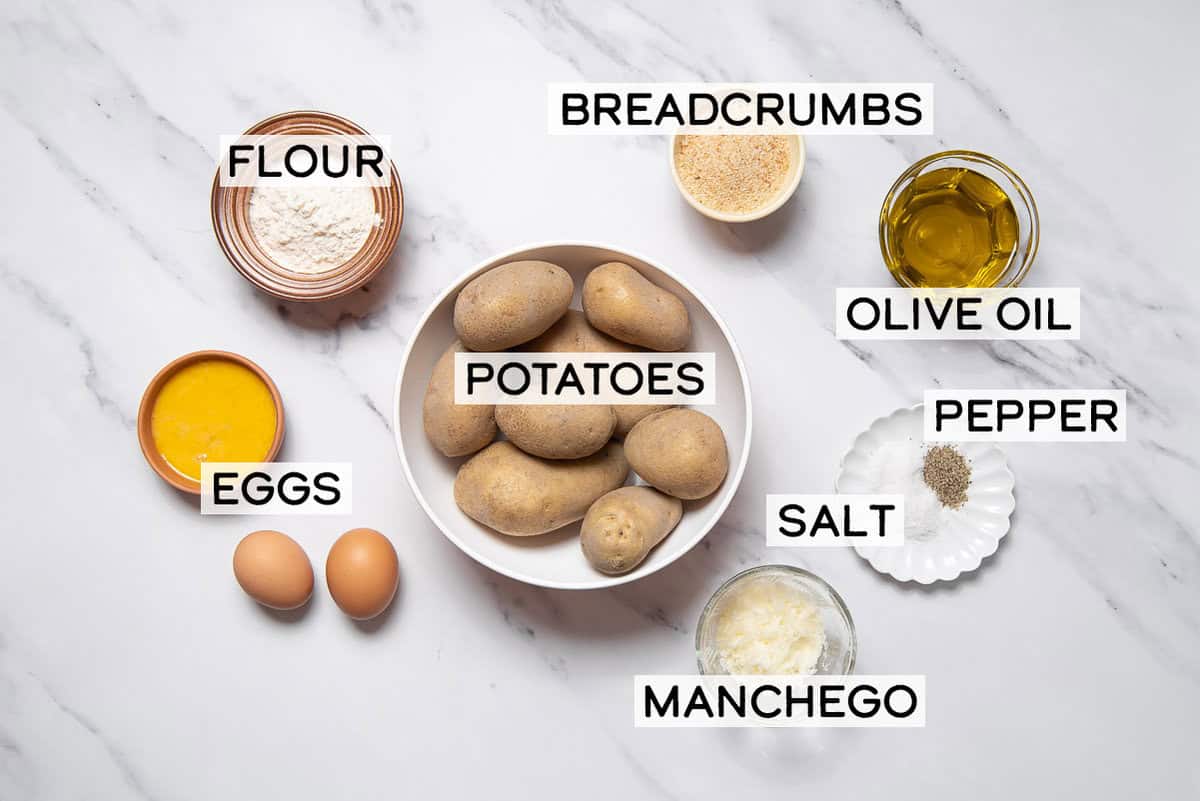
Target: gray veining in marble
<point x="132" y="667"/>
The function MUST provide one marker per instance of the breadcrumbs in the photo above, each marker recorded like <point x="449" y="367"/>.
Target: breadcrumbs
<point x="733" y="174"/>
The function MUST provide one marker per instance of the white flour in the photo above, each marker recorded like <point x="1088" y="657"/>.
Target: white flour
<point x="312" y="229"/>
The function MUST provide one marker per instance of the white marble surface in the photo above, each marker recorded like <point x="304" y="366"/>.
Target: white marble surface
<point x="131" y="667"/>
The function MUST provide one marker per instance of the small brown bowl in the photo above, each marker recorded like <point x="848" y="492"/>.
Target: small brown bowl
<point x="146" y="435"/>
<point x="231" y="223"/>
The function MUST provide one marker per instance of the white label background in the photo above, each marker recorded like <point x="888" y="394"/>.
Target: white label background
<point x="276" y="470"/>
<point x="275" y="145"/>
<point x="861" y="517"/>
<point x="1017" y="430"/>
<point x="490" y="393"/>
<point x="661" y="685"/>
<point x="837" y="93"/>
<point x="1066" y="311"/>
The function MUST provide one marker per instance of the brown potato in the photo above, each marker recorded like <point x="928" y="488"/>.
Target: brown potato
<point x="629" y="416"/>
<point x="680" y="451"/>
<point x="511" y="304"/>
<point x="619" y="301"/>
<point x="573" y="334"/>
<point x="557" y="432"/>
<point x="454" y="429"/>
<point x="521" y="495"/>
<point x="623" y="526"/>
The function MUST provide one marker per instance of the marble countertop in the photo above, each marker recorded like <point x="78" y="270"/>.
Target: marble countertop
<point x="131" y="666"/>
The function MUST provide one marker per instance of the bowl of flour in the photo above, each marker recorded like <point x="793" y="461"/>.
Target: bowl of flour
<point x="308" y="242"/>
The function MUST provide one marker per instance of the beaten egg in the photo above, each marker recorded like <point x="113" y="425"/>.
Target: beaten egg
<point x="362" y="572"/>
<point x="214" y="410"/>
<point x="273" y="569"/>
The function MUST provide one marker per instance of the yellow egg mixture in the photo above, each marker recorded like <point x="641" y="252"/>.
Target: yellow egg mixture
<point x="213" y="411"/>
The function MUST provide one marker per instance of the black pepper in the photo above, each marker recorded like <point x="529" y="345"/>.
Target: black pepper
<point x="948" y="474"/>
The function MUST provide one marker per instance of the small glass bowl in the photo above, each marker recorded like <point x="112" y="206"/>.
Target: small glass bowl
<point x="230" y="208"/>
<point x="1022" y="199"/>
<point x="841" y="642"/>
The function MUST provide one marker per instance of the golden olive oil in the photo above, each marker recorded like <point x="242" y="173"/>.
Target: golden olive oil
<point x="951" y="227"/>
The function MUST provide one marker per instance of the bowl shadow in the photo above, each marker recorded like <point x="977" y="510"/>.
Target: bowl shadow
<point x="669" y="598"/>
<point x="358" y="306"/>
<point x="759" y="236"/>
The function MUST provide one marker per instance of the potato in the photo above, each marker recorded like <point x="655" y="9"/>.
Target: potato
<point x="680" y="451"/>
<point x="511" y="304"/>
<point x="557" y="432"/>
<point x="629" y="416"/>
<point x="619" y="301"/>
<point x="453" y="429"/>
<point x="621" y="528"/>
<point x="521" y="495"/>
<point x="572" y="334"/>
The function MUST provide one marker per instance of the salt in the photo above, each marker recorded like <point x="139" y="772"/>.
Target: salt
<point x="896" y="468"/>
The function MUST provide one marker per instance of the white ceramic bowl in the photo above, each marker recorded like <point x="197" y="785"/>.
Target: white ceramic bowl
<point x="555" y="559"/>
<point x="966" y="536"/>
<point x="785" y="194"/>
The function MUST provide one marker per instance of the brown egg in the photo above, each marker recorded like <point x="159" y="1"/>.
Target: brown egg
<point x="273" y="570"/>
<point x="362" y="572"/>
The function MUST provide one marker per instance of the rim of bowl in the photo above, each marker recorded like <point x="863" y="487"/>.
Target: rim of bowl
<point x="806" y="575"/>
<point x="146" y="436"/>
<point x="1023" y="193"/>
<point x="227" y="209"/>
<point x="733" y="479"/>
<point x="749" y="216"/>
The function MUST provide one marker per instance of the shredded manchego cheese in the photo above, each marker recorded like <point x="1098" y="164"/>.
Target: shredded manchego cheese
<point x="768" y="626"/>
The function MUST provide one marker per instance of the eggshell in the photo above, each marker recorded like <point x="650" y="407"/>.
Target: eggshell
<point x="362" y="573"/>
<point x="273" y="569"/>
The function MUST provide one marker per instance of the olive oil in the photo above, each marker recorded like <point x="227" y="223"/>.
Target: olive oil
<point x="951" y="227"/>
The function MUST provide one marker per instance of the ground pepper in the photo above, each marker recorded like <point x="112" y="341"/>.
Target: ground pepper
<point x="948" y="474"/>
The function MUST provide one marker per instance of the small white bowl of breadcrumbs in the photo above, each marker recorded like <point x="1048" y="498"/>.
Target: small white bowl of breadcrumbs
<point x="737" y="177"/>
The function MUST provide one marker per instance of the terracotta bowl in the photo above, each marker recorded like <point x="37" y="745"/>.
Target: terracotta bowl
<point x="231" y="223"/>
<point x="146" y="436"/>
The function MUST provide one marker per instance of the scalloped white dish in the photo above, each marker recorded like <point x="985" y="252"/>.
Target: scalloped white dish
<point x="962" y="538"/>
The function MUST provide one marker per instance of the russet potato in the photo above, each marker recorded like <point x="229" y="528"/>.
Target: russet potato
<point x="573" y="334"/>
<point x="680" y="451"/>
<point x="521" y="495"/>
<point x="622" y="303"/>
<point x="455" y="430"/>
<point x="621" y="528"/>
<point x="558" y="431"/>
<point x="511" y="304"/>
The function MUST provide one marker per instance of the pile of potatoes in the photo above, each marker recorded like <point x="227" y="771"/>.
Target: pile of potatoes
<point x="559" y="464"/>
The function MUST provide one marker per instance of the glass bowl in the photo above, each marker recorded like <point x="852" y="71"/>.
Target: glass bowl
<point x="1021" y="258"/>
<point x="841" y="642"/>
